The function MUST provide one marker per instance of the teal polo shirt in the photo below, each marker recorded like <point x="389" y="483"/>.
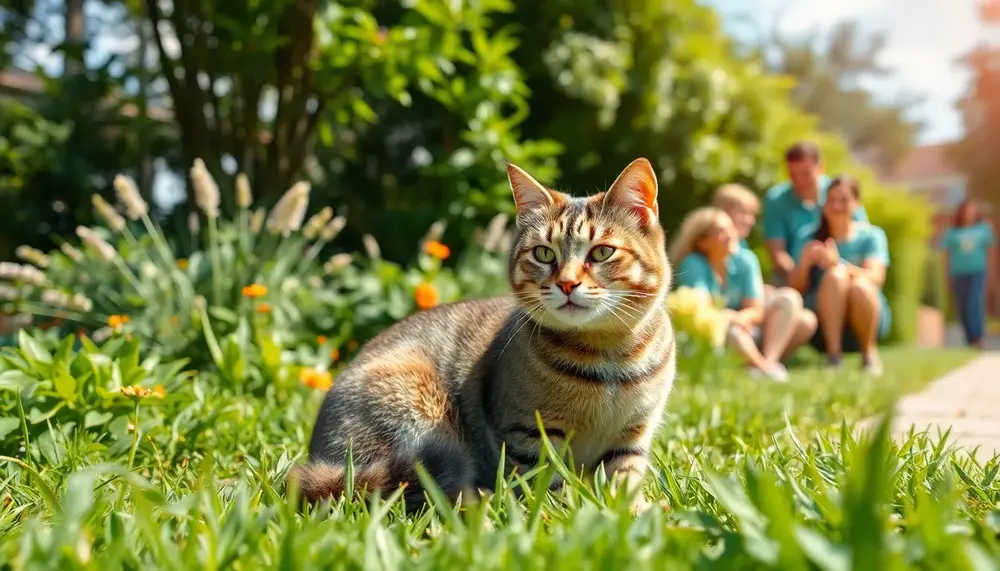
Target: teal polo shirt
<point x="743" y="278"/>
<point x="968" y="248"/>
<point x="785" y="215"/>
<point x="869" y="242"/>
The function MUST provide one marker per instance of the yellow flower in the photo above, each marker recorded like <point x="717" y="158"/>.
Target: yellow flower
<point x="316" y="379"/>
<point x="254" y="291"/>
<point x="116" y="322"/>
<point x="426" y="296"/>
<point x="437" y="250"/>
<point x="182" y="263"/>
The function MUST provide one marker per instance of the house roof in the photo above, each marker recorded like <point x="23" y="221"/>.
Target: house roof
<point x="923" y="162"/>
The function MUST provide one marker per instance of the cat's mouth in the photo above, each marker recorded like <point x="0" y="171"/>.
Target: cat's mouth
<point x="570" y="306"/>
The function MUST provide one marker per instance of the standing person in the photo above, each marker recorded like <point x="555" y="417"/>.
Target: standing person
<point x="704" y="255"/>
<point x="968" y="247"/>
<point x="841" y="271"/>
<point x="795" y="204"/>
<point x="782" y="306"/>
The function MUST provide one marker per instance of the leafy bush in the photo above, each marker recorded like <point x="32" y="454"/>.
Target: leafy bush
<point x="935" y="283"/>
<point x="58" y="392"/>
<point x="250" y="294"/>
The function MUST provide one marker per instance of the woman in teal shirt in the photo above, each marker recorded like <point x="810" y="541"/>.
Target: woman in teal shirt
<point x="707" y="257"/>
<point x="840" y="270"/>
<point x="968" y="246"/>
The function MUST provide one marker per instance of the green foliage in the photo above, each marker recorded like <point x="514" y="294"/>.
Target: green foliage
<point x="61" y="394"/>
<point x="244" y="295"/>
<point x="614" y="80"/>
<point x="755" y="476"/>
<point x="935" y="283"/>
<point x="29" y="145"/>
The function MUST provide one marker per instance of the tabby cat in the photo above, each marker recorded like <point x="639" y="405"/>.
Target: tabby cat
<point x="584" y="340"/>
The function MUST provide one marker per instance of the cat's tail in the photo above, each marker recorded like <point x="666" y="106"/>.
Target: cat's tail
<point x="448" y="463"/>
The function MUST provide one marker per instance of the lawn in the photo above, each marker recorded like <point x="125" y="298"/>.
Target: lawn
<point x="748" y="475"/>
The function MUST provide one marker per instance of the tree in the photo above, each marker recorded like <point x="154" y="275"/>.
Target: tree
<point x="975" y="155"/>
<point x="612" y="80"/>
<point x="830" y="72"/>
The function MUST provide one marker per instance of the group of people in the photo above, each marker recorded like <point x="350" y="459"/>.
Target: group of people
<point x="829" y="267"/>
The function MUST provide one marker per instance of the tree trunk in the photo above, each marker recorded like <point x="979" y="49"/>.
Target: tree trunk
<point x="76" y="37"/>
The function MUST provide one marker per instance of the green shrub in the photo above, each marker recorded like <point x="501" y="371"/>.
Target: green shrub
<point x="935" y="283"/>
<point x="906" y="221"/>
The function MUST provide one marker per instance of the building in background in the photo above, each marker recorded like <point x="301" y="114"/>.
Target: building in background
<point x="927" y="172"/>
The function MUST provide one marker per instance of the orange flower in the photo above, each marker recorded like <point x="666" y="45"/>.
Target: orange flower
<point x="426" y="296"/>
<point x="437" y="250"/>
<point x="182" y="263"/>
<point x="117" y="321"/>
<point x="264" y="308"/>
<point x="334" y="354"/>
<point x="174" y="319"/>
<point x="254" y="291"/>
<point x="137" y="392"/>
<point x="316" y="379"/>
<point x="321" y="340"/>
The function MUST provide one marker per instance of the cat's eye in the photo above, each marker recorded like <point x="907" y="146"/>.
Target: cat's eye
<point x="544" y="254"/>
<point x="601" y="253"/>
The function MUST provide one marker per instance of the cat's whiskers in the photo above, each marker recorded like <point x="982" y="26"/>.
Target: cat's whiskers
<point x="529" y="313"/>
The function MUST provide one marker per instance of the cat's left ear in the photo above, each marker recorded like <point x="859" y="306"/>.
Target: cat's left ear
<point x="636" y="189"/>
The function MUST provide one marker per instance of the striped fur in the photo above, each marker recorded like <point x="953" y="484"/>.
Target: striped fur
<point x="448" y="387"/>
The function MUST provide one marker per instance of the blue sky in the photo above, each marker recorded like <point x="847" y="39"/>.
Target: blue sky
<point x="925" y="38"/>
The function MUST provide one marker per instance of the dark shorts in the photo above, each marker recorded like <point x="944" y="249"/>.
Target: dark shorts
<point x="850" y="342"/>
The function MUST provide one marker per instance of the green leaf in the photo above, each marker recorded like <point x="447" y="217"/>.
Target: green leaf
<point x="65" y="386"/>
<point x="16" y="380"/>
<point x="33" y="349"/>
<point x="8" y="425"/>
<point x="96" y="418"/>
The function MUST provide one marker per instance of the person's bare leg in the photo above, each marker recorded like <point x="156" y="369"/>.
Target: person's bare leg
<point x="831" y="305"/>
<point x="780" y="312"/>
<point x="864" y="312"/>
<point x="805" y="328"/>
<point x="740" y="340"/>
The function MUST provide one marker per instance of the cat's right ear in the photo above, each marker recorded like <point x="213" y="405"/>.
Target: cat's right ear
<point x="529" y="194"/>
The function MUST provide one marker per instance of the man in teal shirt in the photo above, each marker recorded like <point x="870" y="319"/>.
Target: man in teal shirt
<point x="795" y="204"/>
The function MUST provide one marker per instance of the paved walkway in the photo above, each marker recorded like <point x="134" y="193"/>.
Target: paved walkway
<point x="967" y="400"/>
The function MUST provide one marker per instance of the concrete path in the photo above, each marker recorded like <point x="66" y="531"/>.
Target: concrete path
<point x="967" y="400"/>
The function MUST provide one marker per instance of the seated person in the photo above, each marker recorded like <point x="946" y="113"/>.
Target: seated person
<point x="781" y="305"/>
<point x="795" y="204"/>
<point x="840" y="270"/>
<point x="704" y="258"/>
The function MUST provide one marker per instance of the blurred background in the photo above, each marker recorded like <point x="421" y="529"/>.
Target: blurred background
<point x="400" y="113"/>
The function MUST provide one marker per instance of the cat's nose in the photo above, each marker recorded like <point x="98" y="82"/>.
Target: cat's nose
<point x="567" y="286"/>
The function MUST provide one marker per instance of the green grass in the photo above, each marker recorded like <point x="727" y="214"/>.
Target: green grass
<point x="756" y="475"/>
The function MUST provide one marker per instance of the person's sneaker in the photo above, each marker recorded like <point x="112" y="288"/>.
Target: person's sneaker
<point x="872" y="366"/>
<point x="833" y="361"/>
